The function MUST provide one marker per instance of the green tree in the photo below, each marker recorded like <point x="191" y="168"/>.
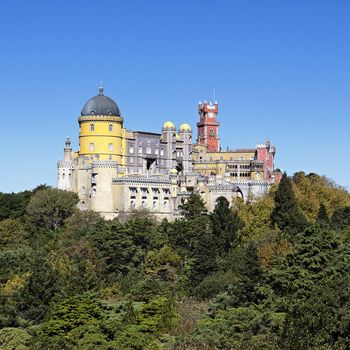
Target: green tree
<point x="309" y="284"/>
<point x="341" y="218"/>
<point x="14" y="338"/>
<point x="13" y="205"/>
<point x="322" y="216"/>
<point x="286" y="213"/>
<point x="49" y="208"/>
<point x="226" y="225"/>
<point x="193" y="207"/>
<point x="34" y="298"/>
<point x="12" y="234"/>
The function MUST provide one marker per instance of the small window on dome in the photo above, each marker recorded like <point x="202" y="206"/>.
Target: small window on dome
<point x="92" y="147"/>
<point x="110" y="147"/>
<point x="92" y="127"/>
<point x="110" y="127"/>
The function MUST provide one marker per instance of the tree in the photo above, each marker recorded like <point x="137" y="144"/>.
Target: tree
<point x="14" y="338"/>
<point x="286" y="213"/>
<point x="194" y="207"/>
<point x="311" y="285"/>
<point x="341" y="218"/>
<point x="311" y="190"/>
<point x="12" y="234"/>
<point x="322" y="216"/>
<point x="49" y="208"/>
<point x="226" y="224"/>
<point x="34" y="298"/>
<point x="12" y="205"/>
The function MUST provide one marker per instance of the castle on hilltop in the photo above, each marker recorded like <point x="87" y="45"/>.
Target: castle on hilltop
<point x="117" y="170"/>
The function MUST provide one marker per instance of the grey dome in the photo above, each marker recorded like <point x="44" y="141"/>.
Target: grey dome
<point x="100" y="105"/>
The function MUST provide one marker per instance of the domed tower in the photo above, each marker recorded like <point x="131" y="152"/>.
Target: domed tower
<point x="101" y="129"/>
<point x="169" y="138"/>
<point x="185" y="133"/>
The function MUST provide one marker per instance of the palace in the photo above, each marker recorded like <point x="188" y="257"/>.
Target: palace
<point x="117" y="170"/>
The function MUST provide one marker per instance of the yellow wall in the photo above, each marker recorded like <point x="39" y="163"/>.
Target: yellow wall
<point x="101" y="137"/>
<point x="209" y="163"/>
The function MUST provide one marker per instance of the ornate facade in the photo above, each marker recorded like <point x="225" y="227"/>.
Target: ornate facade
<point x="117" y="170"/>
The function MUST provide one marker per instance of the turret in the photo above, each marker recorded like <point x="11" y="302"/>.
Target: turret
<point x="185" y="133"/>
<point x="65" y="168"/>
<point x="101" y="129"/>
<point x="67" y="150"/>
<point x="169" y="137"/>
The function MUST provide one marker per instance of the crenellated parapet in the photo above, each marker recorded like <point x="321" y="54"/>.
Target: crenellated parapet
<point x="104" y="164"/>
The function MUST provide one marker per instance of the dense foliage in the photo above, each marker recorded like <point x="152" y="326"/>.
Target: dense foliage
<point x="272" y="274"/>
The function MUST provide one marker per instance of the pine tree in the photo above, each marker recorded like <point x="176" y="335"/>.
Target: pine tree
<point x="226" y="224"/>
<point x="286" y="213"/>
<point x="194" y="207"/>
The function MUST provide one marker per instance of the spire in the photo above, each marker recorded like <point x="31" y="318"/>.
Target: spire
<point x="67" y="143"/>
<point x="100" y="88"/>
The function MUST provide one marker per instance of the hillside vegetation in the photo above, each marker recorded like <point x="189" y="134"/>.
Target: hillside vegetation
<point x="270" y="275"/>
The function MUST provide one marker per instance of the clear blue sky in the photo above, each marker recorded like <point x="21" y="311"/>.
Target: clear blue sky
<point x="281" y="70"/>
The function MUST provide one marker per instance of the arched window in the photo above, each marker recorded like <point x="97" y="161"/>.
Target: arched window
<point x="140" y="149"/>
<point x="110" y="128"/>
<point x="110" y="147"/>
<point x="131" y="149"/>
<point x="92" y="127"/>
<point x="92" y="147"/>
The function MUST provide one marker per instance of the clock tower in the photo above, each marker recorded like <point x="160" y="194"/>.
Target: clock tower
<point x="208" y="126"/>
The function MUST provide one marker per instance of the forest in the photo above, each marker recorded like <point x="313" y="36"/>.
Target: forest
<point x="270" y="274"/>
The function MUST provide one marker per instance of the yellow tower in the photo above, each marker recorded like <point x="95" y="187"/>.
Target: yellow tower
<point x="101" y="133"/>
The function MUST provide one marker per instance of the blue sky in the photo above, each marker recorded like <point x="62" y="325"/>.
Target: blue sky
<point x="281" y="70"/>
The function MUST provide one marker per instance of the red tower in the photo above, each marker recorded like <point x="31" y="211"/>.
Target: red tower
<point x="208" y="126"/>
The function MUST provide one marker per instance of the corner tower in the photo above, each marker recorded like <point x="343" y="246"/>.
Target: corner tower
<point x="101" y="129"/>
<point x="208" y="126"/>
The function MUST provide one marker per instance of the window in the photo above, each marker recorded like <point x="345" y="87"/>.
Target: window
<point x="92" y="147"/>
<point x="92" y="127"/>
<point x="140" y="149"/>
<point x="211" y="132"/>
<point x="110" y="147"/>
<point x="132" y="204"/>
<point x="156" y="151"/>
<point x="148" y="150"/>
<point x="154" y="205"/>
<point x="131" y="160"/>
<point x="162" y="152"/>
<point x="133" y="192"/>
<point x="110" y="128"/>
<point x="131" y="149"/>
